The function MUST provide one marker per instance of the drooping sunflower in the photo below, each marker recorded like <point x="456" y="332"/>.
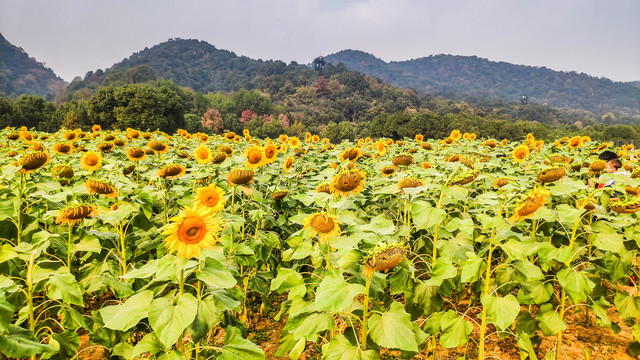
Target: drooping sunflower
<point x="101" y="188"/>
<point x="288" y="164"/>
<point x="628" y="206"/>
<point x="203" y="138"/>
<point x="109" y="137"/>
<point x="323" y="225"/>
<point x="347" y="182"/>
<point x="105" y="147"/>
<point x="323" y="188"/>
<point x="402" y="160"/>
<point x="230" y="135"/>
<point x="388" y="170"/>
<point x="425" y="165"/>
<point x="70" y="136"/>
<point x="520" y="153"/>
<point x="551" y="174"/>
<point x="490" y="143"/>
<point x="351" y="154"/>
<point x="158" y="146"/>
<point x="33" y="161"/>
<point x="255" y="157"/>
<point x="528" y="206"/>
<point x="64" y="173"/>
<point x="294" y="142"/>
<point x="597" y="166"/>
<point x="136" y="154"/>
<point x="270" y="153"/>
<point x="279" y="195"/>
<point x="133" y="134"/>
<point x="226" y="149"/>
<point x="409" y="183"/>
<point x="194" y="229"/>
<point x="13" y="136"/>
<point x="171" y="171"/>
<point x="62" y="148"/>
<point x="91" y="161"/>
<point x="129" y="169"/>
<point x="75" y="214"/>
<point x="119" y="143"/>
<point x="211" y="197"/>
<point x="202" y="154"/>
<point x="240" y="176"/>
<point x="383" y="257"/>
<point x="426" y="146"/>
<point x="219" y="158"/>
<point x="500" y="182"/>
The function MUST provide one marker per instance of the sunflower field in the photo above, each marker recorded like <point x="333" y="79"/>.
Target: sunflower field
<point x="146" y="245"/>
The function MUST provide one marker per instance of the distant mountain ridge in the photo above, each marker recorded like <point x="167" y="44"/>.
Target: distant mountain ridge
<point x="460" y="76"/>
<point x="22" y="74"/>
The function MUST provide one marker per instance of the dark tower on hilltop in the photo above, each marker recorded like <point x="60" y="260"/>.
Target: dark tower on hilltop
<point x="318" y="64"/>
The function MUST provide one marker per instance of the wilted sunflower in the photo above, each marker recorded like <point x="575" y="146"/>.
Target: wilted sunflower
<point x="402" y="160"/>
<point x="520" y="153"/>
<point x="625" y="207"/>
<point x="105" y="147"/>
<point x="33" y="161"/>
<point x="133" y="134"/>
<point x="136" y="154"/>
<point x="24" y="134"/>
<point x="129" y="169"/>
<point x="388" y="170"/>
<point x="322" y="224"/>
<point x="226" y="149"/>
<point x="194" y="229"/>
<point x="294" y="142"/>
<point x="202" y="154"/>
<point x="575" y="142"/>
<point x="270" y="153"/>
<point x="62" y="148"/>
<point x="347" y="182"/>
<point x="102" y="188"/>
<point x="109" y="137"/>
<point x="409" y="183"/>
<point x="211" y="197"/>
<point x="171" y="171"/>
<point x="75" y="214"/>
<point x="500" y="182"/>
<point x="632" y="190"/>
<point x="240" y="177"/>
<point x="490" y="143"/>
<point x="426" y="146"/>
<point x="425" y="165"/>
<point x="13" y="136"/>
<point x="158" y="146"/>
<point x="597" y="166"/>
<point x="383" y="257"/>
<point x="91" y="161"/>
<point x="255" y="157"/>
<point x="219" y="157"/>
<point x="71" y="135"/>
<point x="464" y="177"/>
<point x="551" y="174"/>
<point x="528" y="206"/>
<point x="119" y="143"/>
<point x="288" y="164"/>
<point x="279" y="195"/>
<point x="351" y="154"/>
<point x="230" y="135"/>
<point x="64" y="173"/>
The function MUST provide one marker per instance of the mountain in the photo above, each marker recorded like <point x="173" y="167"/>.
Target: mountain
<point x="21" y="74"/>
<point x="469" y="76"/>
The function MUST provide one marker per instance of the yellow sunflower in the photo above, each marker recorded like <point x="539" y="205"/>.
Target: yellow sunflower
<point x="270" y="153"/>
<point x="136" y="154"/>
<point x="33" y="161"/>
<point x="347" y="182"/>
<point x="194" y="229"/>
<point x="520" y="153"/>
<point x="283" y="138"/>
<point x="528" y="206"/>
<point x="96" y="128"/>
<point x="419" y="137"/>
<point x="255" y="157"/>
<point x="171" y="171"/>
<point x="455" y="135"/>
<point x="315" y="139"/>
<point x="91" y="161"/>
<point x="101" y="188"/>
<point x="294" y="142"/>
<point x="230" y="135"/>
<point x="288" y="164"/>
<point x="323" y="225"/>
<point x="211" y="197"/>
<point x="575" y="142"/>
<point x="75" y="214"/>
<point x="202" y="154"/>
<point x="158" y="146"/>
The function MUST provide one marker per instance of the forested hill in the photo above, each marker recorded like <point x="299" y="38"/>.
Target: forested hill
<point x="21" y="74"/>
<point x="459" y="76"/>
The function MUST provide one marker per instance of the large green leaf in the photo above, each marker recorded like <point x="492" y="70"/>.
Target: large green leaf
<point x="393" y="329"/>
<point x="63" y="285"/>
<point x="341" y="349"/>
<point x="20" y="343"/>
<point x="577" y="284"/>
<point x="207" y="317"/>
<point x="628" y="306"/>
<point x="606" y="238"/>
<point x="308" y="326"/>
<point x="6" y="315"/>
<point x="335" y="294"/>
<point x="68" y="342"/>
<point x="238" y="348"/>
<point x="550" y="322"/>
<point x="215" y="275"/>
<point x="471" y="268"/>
<point x="149" y="343"/>
<point x="455" y="329"/>
<point x="124" y="316"/>
<point x="169" y="321"/>
<point x="426" y="216"/>
<point x="502" y="311"/>
<point x="441" y="271"/>
<point x="426" y="298"/>
<point x="286" y="280"/>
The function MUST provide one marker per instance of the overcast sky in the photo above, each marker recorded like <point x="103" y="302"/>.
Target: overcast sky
<point x="596" y="37"/>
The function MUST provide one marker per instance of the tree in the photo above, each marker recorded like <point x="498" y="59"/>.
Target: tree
<point x="212" y="120"/>
<point x="33" y="110"/>
<point x="322" y="90"/>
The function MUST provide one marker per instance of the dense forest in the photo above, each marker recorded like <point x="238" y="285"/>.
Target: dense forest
<point x="458" y="76"/>
<point x="21" y="74"/>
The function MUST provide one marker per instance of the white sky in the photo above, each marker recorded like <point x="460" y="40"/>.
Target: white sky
<point x="597" y="37"/>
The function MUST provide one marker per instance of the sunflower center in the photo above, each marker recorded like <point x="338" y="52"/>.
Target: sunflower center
<point x="192" y="230"/>
<point x="202" y="153"/>
<point x="92" y="160"/>
<point x="211" y="199"/>
<point x="322" y="224"/>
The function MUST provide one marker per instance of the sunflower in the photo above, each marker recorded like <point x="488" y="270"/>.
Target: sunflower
<point x="226" y="149"/>
<point x="255" y="157"/>
<point x="426" y="146"/>
<point x="500" y="182"/>
<point x="625" y="207"/>
<point x="409" y="183"/>
<point x="96" y="128"/>
<point x="230" y="135"/>
<point x="101" y="188"/>
<point x="62" y="148"/>
<point x="133" y="134"/>
<point x="283" y="138"/>
<point x="472" y="136"/>
<point x="347" y="182"/>
<point x="383" y="257"/>
<point x="323" y="188"/>
<point x="202" y="154"/>
<point x="33" y="161"/>
<point x="351" y="154"/>
<point x="136" y="154"/>
<point x="575" y="142"/>
<point x="586" y="139"/>
<point x="71" y="135"/>
<point x="288" y="164"/>
<point x="388" y="170"/>
<point x="520" y="153"/>
<point x="24" y="134"/>
<point x="551" y="174"/>
<point x="528" y="206"/>
<point x="322" y="224"/>
<point x="455" y="135"/>
<point x="402" y="160"/>
<point x="211" y="197"/>
<point x="447" y="141"/>
<point x="91" y="161"/>
<point x="315" y="139"/>
<point x="219" y="157"/>
<point x="419" y="137"/>
<point x="75" y="214"/>
<point x="294" y="142"/>
<point x="203" y="138"/>
<point x="490" y="143"/>
<point x="158" y="146"/>
<point x="240" y="176"/>
<point x="119" y="143"/>
<point x="425" y="165"/>
<point x="192" y="230"/>
<point x="105" y="147"/>
<point x="504" y="142"/>
<point x="380" y="147"/>
<point x="530" y="139"/>
<point x="465" y="136"/>
<point x="13" y="136"/>
<point x="279" y="195"/>
<point x="171" y="171"/>
<point x="270" y="153"/>
<point x="64" y="173"/>
<point x="129" y="169"/>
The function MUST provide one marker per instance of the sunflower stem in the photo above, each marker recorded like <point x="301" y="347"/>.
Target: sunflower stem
<point x="20" y="210"/>
<point x="485" y="291"/>
<point x="69" y="244"/>
<point x="365" y="313"/>
<point x="123" y="249"/>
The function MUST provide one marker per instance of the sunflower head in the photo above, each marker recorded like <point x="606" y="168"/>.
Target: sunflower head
<point x="464" y="177"/>
<point x="64" y="173"/>
<point x="388" y="170"/>
<point x="211" y="197"/>
<point x="255" y="157"/>
<point x="279" y="195"/>
<point x="171" y="171"/>
<point x="528" y="206"/>
<point x="96" y="128"/>
<point x="500" y="182"/>
<point x="409" y="183"/>
<point x="551" y="174"/>
<point x="194" y="229"/>
<point x="575" y="142"/>
<point x="348" y="182"/>
<point x="425" y="165"/>
<point x="383" y="257"/>
<point x="323" y="188"/>
<point x="426" y="146"/>
<point x="632" y="190"/>
<point x="490" y="143"/>
<point x="136" y="154"/>
<point x="625" y="207"/>
<point x="351" y="154"/>
<point x="91" y="160"/>
<point x="71" y="135"/>
<point x="129" y="169"/>
<point x="270" y="153"/>
<point x="597" y="166"/>
<point x="294" y="142"/>
<point x="101" y="188"/>
<point x="13" y="136"/>
<point x="33" y="161"/>
<point x="202" y="154"/>
<point x="322" y="224"/>
<point x="230" y="135"/>
<point x="520" y="153"/>
<point x="75" y="214"/>
<point x="455" y="135"/>
<point x="288" y="164"/>
<point x="240" y="176"/>
<point x="402" y="160"/>
<point x="158" y="146"/>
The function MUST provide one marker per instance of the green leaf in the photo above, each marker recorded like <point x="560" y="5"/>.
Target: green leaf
<point x="69" y="342"/>
<point x="207" y="317"/>
<point x="88" y="243"/>
<point x="20" y="343"/>
<point x="298" y="349"/>
<point x="149" y="343"/>
<point x="341" y="349"/>
<point x="308" y="326"/>
<point x="6" y="315"/>
<point x="471" y="269"/>
<point x="577" y="284"/>
<point x="426" y="298"/>
<point x="527" y="270"/>
<point x="238" y="348"/>
<point x="215" y="275"/>
<point x="393" y="329"/>
<point x="502" y="311"/>
<point x="124" y="316"/>
<point x="124" y="211"/>
<point x="441" y="271"/>
<point x="426" y="216"/>
<point x="551" y="323"/>
<point x="628" y="306"/>
<point x="63" y="285"/>
<point x="606" y="238"/>
<point x="286" y="279"/>
<point x="169" y="321"/>
<point x="455" y="330"/>
<point x="335" y="294"/>
<point x="7" y="253"/>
